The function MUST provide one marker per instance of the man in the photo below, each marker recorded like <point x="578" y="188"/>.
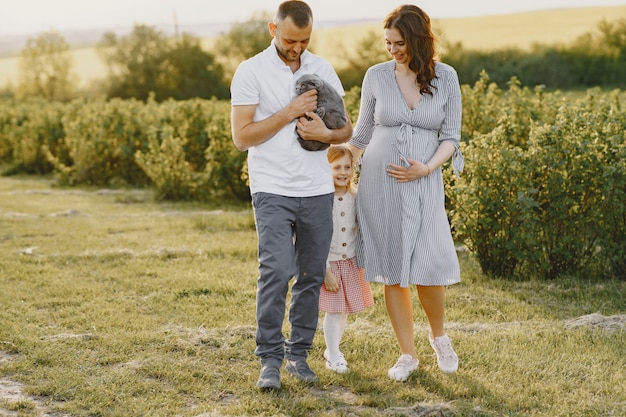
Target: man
<point x="292" y="188"/>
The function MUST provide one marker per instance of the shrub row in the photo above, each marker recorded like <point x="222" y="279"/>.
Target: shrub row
<point x="543" y="193"/>
<point x="552" y="66"/>
<point x="544" y="189"/>
<point x="182" y="148"/>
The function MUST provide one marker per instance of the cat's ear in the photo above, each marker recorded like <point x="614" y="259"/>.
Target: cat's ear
<point x="317" y="81"/>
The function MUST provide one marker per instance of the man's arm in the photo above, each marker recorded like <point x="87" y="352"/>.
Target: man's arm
<point x="247" y="133"/>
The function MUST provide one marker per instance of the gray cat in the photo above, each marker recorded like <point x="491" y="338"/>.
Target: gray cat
<point x="330" y="107"/>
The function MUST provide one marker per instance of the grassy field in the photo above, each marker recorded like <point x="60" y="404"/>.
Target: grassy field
<point x="486" y="33"/>
<point x="114" y="305"/>
<point x="520" y="30"/>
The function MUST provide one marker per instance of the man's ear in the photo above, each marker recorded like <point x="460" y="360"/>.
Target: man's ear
<point x="272" y="27"/>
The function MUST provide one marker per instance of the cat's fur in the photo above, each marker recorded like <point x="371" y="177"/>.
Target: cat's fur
<point x="330" y="107"/>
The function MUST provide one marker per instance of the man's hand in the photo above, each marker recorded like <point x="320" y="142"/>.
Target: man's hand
<point x="303" y="103"/>
<point x="312" y="127"/>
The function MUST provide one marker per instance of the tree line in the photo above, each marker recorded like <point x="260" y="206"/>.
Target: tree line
<point x="149" y="63"/>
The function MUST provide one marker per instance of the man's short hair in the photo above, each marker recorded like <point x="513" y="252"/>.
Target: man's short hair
<point x="299" y="12"/>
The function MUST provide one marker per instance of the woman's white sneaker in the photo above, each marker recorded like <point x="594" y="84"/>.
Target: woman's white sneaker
<point x="403" y="368"/>
<point x="447" y="359"/>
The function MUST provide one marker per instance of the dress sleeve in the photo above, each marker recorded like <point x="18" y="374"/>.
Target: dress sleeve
<point x="365" y="124"/>
<point x="451" y="126"/>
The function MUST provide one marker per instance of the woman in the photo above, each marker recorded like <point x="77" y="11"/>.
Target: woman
<point x="410" y="123"/>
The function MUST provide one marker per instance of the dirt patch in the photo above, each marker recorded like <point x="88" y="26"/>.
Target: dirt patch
<point x="608" y="323"/>
<point x="422" y="410"/>
<point x="12" y="394"/>
<point x="11" y="391"/>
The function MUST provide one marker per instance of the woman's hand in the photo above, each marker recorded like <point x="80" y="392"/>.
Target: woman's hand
<point x="403" y="174"/>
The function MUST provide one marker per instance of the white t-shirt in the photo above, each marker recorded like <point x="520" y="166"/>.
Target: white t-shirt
<point x="280" y="165"/>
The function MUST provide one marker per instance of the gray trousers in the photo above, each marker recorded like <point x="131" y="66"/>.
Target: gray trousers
<point x="294" y="236"/>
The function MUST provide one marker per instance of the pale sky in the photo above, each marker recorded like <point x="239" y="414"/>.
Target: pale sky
<point x="34" y="16"/>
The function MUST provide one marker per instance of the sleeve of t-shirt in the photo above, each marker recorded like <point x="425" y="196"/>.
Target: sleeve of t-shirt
<point x="328" y="74"/>
<point x="244" y="86"/>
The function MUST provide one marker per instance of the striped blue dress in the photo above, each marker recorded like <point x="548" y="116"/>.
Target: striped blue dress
<point x="404" y="234"/>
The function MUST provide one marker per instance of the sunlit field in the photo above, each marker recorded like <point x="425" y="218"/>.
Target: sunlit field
<point x="520" y="30"/>
<point x="117" y="302"/>
<point x="115" y="305"/>
<point x="486" y="33"/>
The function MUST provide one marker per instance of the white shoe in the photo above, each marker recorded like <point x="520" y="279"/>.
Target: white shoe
<point x="340" y="366"/>
<point x="447" y="359"/>
<point x="403" y="368"/>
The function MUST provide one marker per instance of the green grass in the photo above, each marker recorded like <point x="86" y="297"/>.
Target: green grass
<point x="484" y="33"/>
<point x="114" y="305"/>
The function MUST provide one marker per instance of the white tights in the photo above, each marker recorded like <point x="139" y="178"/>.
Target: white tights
<point x="334" y="326"/>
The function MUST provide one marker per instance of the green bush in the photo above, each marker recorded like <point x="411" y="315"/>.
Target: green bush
<point x="542" y="194"/>
<point x="226" y="164"/>
<point x="551" y="203"/>
<point x="486" y="106"/>
<point x="101" y="138"/>
<point x="26" y="129"/>
<point x="191" y="155"/>
<point x="171" y="174"/>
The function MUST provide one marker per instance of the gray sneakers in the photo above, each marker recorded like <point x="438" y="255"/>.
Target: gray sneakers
<point x="301" y="370"/>
<point x="269" y="379"/>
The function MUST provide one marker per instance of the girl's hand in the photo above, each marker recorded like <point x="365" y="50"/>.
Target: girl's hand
<point x="331" y="282"/>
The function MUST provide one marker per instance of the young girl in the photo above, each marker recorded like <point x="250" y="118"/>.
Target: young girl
<point x="344" y="290"/>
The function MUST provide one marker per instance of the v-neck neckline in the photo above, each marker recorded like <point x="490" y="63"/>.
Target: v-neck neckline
<point x="406" y="103"/>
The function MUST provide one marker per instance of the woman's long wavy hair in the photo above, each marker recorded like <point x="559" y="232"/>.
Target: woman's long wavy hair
<point x="414" y="26"/>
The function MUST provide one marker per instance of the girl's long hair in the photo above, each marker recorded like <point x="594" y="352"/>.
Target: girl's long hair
<point x="414" y="26"/>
